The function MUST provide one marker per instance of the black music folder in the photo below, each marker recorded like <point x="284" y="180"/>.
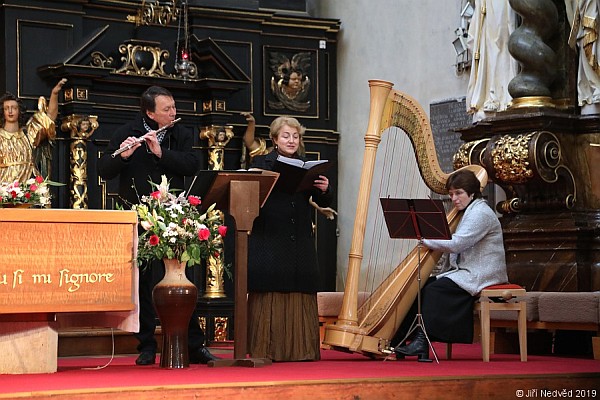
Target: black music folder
<point x="415" y="218"/>
<point x="297" y="175"/>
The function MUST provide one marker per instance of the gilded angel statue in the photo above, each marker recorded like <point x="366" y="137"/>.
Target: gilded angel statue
<point x="26" y="148"/>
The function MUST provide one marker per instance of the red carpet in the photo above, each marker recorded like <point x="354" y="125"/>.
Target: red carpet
<point x="74" y="373"/>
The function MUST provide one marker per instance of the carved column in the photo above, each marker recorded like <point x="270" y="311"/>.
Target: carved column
<point x="218" y="137"/>
<point x="81" y="128"/>
<point x="216" y="309"/>
<point x="528" y="44"/>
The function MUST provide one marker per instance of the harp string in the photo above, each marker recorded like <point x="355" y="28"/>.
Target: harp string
<point x="396" y="176"/>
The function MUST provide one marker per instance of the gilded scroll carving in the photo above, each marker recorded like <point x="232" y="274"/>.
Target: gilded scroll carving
<point x="152" y="12"/>
<point x="528" y="167"/>
<point x="510" y="158"/>
<point x="142" y="59"/>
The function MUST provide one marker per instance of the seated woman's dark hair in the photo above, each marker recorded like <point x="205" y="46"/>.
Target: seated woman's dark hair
<point x="466" y="180"/>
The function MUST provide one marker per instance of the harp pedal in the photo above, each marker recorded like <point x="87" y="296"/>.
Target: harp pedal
<point x="384" y="347"/>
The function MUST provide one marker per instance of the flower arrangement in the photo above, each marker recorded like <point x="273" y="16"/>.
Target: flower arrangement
<point x="174" y="227"/>
<point x="33" y="191"/>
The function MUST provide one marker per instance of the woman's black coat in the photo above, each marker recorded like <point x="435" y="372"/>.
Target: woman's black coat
<point x="281" y="250"/>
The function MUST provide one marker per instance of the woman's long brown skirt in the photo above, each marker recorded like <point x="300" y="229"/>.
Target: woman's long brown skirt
<point x="283" y="326"/>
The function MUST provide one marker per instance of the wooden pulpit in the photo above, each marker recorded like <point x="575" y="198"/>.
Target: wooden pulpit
<point x="241" y="194"/>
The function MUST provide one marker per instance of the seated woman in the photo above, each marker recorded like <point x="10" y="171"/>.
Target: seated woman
<point x="474" y="260"/>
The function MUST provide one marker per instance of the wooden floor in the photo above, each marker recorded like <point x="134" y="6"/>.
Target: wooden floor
<point x="446" y="387"/>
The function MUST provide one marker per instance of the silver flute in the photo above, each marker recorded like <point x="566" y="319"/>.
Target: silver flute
<point x="141" y="139"/>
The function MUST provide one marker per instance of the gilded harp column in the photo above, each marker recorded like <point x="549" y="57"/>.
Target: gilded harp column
<point x="81" y="128"/>
<point x="218" y="137"/>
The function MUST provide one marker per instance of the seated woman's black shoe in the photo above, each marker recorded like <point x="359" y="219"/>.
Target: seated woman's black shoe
<point x="417" y="347"/>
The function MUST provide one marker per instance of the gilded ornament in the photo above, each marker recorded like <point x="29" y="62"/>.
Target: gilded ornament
<point x="510" y="158"/>
<point x="141" y="59"/>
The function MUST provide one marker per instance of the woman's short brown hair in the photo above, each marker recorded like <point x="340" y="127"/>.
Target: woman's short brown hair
<point x="279" y="122"/>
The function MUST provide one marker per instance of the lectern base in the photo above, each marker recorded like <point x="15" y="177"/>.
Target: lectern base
<point x="28" y="348"/>
<point x="242" y="362"/>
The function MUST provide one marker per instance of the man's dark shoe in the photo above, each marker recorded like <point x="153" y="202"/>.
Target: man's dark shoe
<point x="201" y="356"/>
<point x="146" y="358"/>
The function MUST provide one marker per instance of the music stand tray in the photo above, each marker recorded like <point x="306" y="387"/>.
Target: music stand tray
<point x="416" y="219"/>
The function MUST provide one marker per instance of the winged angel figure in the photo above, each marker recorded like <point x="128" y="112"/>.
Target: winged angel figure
<point x="290" y="83"/>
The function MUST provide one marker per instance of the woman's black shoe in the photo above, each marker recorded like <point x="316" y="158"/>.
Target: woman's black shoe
<point x="417" y="347"/>
<point x="202" y="356"/>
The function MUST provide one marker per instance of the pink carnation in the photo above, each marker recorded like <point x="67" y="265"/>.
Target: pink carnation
<point x="195" y="201"/>
<point x="203" y="234"/>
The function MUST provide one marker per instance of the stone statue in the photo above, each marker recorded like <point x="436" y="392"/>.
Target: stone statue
<point x="583" y="16"/>
<point x="493" y="67"/>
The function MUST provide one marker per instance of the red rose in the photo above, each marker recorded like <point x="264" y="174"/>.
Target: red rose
<point x="39" y="179"/>
<point x="222" y="230"/>
<point x="154" y="240"/>
<point x="195" y="201"/>
<point x="33" y="187"/>
<point x="27" y="195"/>
<point x="203" y="234"/>
<point x="13" y="195"/>
<point x="155" y="195"/>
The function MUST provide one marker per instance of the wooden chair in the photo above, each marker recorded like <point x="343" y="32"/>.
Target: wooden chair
<point x="506" y="297"/>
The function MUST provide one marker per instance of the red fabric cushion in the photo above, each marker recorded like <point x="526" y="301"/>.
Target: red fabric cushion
<point x="503" y="286"/>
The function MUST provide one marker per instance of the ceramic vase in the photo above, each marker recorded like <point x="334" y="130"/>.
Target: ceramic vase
<point x="174" y="298"/>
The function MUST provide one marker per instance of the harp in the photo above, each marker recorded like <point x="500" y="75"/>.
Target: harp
<point x="369" y="329"/>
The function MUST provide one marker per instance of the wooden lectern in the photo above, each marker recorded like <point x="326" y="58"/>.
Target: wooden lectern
<point x="241" y="194"/>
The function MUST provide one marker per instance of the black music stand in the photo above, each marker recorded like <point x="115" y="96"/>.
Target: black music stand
<point x="416" y="219"/>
